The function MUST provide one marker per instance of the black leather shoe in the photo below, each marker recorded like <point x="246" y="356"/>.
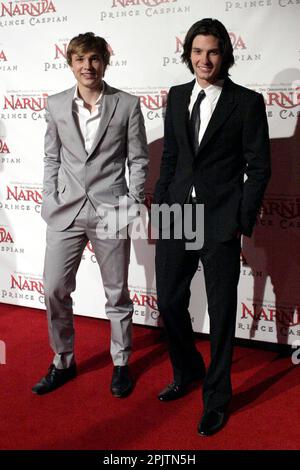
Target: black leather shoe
<point x="176" y="390"/>
<point x="54" y="379"/>
<point x="211" y="422"/>
<point x="172" y="392"/>
<point x="121" y="383"/>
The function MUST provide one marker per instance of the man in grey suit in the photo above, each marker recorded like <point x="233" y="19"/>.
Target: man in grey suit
<point x="93" y="131"/>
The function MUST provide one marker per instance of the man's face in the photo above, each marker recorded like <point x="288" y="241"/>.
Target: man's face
<point x="88" y="69"/>
<point x="206" y="59"/>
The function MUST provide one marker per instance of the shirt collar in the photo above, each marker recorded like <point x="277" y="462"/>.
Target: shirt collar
<point x="79" y="100"/>
<point x="212" y="91"/>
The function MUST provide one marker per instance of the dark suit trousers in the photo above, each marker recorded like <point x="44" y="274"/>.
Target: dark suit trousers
<point x="175" y="268"/>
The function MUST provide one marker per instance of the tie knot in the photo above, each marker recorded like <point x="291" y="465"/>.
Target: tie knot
<point x="201" y="96"/>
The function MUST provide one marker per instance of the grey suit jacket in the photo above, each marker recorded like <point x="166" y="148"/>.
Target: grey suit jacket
<point x="71" y="175"/>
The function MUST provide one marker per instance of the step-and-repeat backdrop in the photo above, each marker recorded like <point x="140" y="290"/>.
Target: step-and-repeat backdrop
<point x="146" y="39"/>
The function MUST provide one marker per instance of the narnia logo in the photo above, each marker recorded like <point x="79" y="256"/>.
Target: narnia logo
<point x="134" y="3"/>
<point x="3" y="56"/>
<point x="286" y="100"/>
<point x="179" y="45"/>
<point x="61" y="51"/>
<point x="3" y="147"/>
<point x="288" y="208"/>
<point x="155" y="102"/>
<point x="286" y="318"/>
<point x="37" y="103"/>
<point x="5" y="236"/>
<point x="237" y="41"/>
<point x="19" y="194"/>
<point x="22" y="283"/>
<point x="90" y="247"/>
<point x="26" y="8"/>
<point x="143" y="300"/>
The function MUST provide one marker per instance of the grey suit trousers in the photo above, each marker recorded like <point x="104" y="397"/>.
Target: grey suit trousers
<point x="63" y="255"/>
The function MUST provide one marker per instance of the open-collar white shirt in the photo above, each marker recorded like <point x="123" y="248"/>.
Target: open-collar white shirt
<point x="86" y="121"/>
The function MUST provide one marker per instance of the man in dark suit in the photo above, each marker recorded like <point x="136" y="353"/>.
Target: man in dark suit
<point x="216" y="133"/>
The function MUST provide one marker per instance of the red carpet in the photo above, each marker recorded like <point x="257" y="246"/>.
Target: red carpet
<point x="84" y="415"/>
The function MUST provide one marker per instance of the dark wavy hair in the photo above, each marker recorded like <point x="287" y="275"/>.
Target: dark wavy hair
<point x="88" y="42"/>
<point x="209" y="26"/>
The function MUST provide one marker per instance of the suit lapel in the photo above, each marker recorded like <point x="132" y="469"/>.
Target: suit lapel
<point x="109" y="104"/>
<point x="224" y="108"/>
<point x="182" y="114"/>
<point x="76" y="138"/>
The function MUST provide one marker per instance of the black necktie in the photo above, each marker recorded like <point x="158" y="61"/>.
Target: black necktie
<point x="195" y="120"/>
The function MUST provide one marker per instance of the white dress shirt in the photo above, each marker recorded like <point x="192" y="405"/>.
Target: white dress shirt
<point x="86" y="121"/>
<point x="207" y="106"/>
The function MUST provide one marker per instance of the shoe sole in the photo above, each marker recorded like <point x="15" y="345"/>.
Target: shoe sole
<point x="123" y="394"/>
